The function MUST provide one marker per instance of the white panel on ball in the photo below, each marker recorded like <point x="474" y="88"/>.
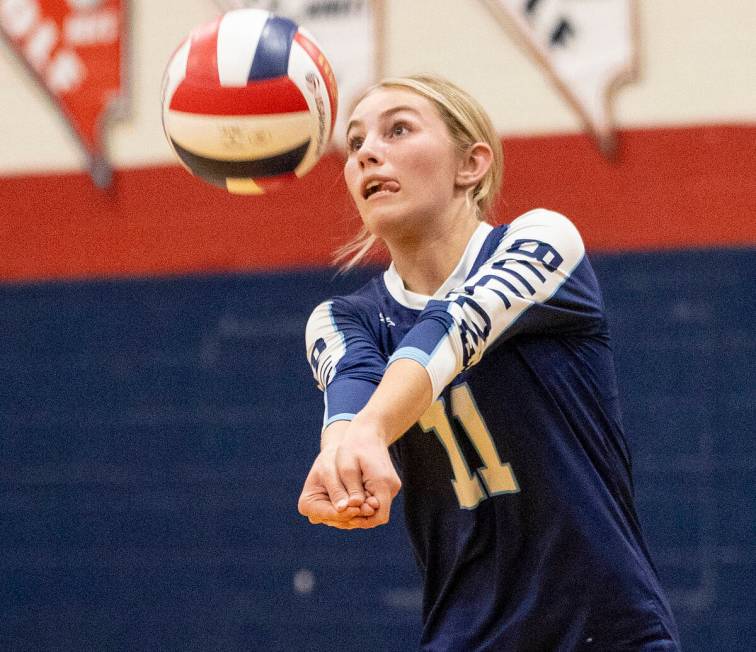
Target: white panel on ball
<point x="239" y="138"/>
<point x="237" y="42"/>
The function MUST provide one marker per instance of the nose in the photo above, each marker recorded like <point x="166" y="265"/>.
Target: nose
<point x="370" y="152"/>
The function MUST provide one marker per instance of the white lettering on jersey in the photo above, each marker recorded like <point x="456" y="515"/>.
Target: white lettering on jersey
<point x="386" y="320"/>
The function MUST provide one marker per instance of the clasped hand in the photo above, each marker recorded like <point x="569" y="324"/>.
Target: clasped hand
<point x="352" y="482"/>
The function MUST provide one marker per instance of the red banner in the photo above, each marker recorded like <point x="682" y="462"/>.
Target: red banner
<point x="74" y="48"/>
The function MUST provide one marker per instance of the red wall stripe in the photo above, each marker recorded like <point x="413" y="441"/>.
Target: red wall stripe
<point x="667" y="188"/>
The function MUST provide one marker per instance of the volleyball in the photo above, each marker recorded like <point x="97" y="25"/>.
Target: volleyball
<point x="249" y="101"/>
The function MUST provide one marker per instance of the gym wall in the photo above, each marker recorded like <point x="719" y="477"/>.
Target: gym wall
<point x="157" y="415"/>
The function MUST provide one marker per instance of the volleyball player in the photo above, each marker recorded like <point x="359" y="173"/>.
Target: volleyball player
<point x="477" y="373"/>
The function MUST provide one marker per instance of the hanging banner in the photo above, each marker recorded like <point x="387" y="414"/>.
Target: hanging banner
<point x="350" y="32"/>
<point x="74" y="48"/>
<point x="589" y="48"/>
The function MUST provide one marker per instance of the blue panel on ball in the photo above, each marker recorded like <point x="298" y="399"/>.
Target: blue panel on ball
<point x="217" y="172"/>
<point x="272" y="54"/>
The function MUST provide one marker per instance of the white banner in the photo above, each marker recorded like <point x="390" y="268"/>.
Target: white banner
<point x="587" y="46"/>
<point x="350" y="34"/>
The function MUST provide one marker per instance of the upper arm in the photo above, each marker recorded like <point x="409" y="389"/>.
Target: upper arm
<point x="325" y="344"/>
<point x="529" y="284"/>
<point x="344" y="358"/>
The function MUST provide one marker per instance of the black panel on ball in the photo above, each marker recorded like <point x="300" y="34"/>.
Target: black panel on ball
<point x="217" y="172"/>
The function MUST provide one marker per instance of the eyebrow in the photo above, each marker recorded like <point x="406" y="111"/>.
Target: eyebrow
<point x="385" y="114"/>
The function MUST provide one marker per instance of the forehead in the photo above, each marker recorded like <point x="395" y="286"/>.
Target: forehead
<point x="384" y="101"/>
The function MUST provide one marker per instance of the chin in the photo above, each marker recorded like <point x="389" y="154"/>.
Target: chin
<point x="391" y="224"/>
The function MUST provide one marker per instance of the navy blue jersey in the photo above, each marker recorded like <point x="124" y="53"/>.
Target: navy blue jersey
<point x="517" y="486"/>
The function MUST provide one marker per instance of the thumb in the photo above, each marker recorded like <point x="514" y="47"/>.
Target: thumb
<point x="350" y="476"/>
<point x="336" y="491"/>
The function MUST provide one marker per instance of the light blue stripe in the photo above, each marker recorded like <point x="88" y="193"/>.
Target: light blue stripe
<point x="411" y="353"/>
<point x="343" y="416"/>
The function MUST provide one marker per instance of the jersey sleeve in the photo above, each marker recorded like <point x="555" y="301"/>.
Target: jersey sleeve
<point x="344" y="357"/>
<point x="533" y="283"/>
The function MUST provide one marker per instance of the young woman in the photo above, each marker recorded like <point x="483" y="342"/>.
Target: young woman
<point x="478" y="366"/>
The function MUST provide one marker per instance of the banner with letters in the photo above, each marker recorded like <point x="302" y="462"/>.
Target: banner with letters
<point x="589" y="48"/>
<point x="75" y="49"/>
<point x="350" y="33"/>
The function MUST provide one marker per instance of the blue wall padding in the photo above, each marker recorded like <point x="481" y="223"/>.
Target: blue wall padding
<point x="155" y="434"/>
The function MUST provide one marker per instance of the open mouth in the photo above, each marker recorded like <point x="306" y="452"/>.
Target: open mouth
<point x="379" y="186"/>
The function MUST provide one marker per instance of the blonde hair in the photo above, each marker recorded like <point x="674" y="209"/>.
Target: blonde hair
<point x="467" y="122"/>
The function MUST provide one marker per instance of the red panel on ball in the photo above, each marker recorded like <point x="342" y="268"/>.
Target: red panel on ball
<point x="268" y="97"/>
<point x="202" y="64"/>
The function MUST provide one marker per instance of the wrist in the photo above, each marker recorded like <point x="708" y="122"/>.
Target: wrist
<point x="368" y="424"/>
<point x="333" y="435"/>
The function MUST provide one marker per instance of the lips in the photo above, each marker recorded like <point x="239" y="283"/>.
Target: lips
<point x="375" y="185"/>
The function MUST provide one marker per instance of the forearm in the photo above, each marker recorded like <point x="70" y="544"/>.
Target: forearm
<point x="401" y="398"/>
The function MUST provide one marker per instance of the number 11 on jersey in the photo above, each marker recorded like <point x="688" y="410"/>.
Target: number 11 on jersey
<point x="497" y="476"/>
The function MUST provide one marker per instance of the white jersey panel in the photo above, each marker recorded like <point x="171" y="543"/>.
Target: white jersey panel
<point x="325" y="344"/>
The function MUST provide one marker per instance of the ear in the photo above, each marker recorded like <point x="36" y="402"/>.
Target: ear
<point x="473" y="165"/>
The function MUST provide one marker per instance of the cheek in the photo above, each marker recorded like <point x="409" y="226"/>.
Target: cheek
<point x="351" y="177"/>
<point x="433" y="172"/>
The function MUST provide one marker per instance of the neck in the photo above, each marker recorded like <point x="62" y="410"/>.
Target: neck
<point x="426" y="261"/>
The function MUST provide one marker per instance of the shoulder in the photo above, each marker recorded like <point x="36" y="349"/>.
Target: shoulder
<point x="541" y="226"/>
<point x="343" y="311"/>
<point x="544" y="221"/>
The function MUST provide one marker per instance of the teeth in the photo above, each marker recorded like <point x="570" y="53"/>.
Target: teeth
<point x="380" y="185"/>
<point x="372" y="187"/>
